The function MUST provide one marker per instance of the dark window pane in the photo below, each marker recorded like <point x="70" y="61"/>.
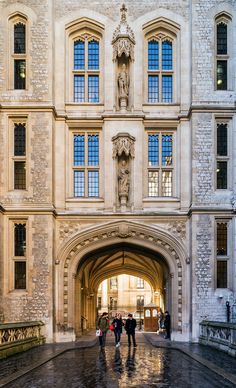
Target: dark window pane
<point x="222" y="239"/>
<point x="153" y="150"/>
<point x="19" y="176"/>
<point x="167" y="88"/>
<point x="19" y="38"/>
<point x="99" y="302"/>
<point x="79" y="88"/>
<point x="221" y="75"/>
<point x="79" y="60"/>
<point x="221" y="39"/>
<point x="93" y="88"/>
<point x="221" y="175"/>
<point x="93" y="184"/>
<point x="79" y="150"/>
<point x="140" y="302"/>
<point x="93" y="150"/>
<point x="221" y="274"/>
<point x="19" y="74"/>
<point x="79" y="183"/>
<point x="166" y="55"/>
<point x="222" y="146"/>
<point x="19" y="140"/>
<point x="20" y="275"/>
<point x="166" y="150"/>
<point x="153" y="55"/>
<point x="153" y="88"/>
<point x="93" y="55"/>
<point x="19" y="240"/>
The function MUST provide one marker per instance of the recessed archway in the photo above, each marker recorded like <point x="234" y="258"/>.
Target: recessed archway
<point x="151" y="253"/>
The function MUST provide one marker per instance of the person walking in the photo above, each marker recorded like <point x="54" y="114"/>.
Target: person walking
<point x="103" y="325"/>
<point x="130" y="326"/>
<point x="117" y="322"/>
<point x="167" y="324"/>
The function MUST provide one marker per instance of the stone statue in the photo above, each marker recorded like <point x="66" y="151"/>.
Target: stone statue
<point x="123" y="82"/>
<point x="123" y="179"/>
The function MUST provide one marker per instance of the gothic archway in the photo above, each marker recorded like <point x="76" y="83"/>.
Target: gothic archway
<point x="83" y="246"/>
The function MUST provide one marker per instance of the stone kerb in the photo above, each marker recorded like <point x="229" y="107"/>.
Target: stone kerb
<point x="90" y="240"/>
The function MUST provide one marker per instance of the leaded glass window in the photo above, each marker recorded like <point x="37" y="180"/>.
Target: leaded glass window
<point x="222" y="255"/>
<point x="20" y="275"/>
<point x="19" y="140"/>
<point x="222" y="38"/>
<point x="19" y="175"/>
<point x="86" y="71"/>
<point x="20" y="240"/>
<point x="86" y="165"/>
<point x="18" y="55"/>
<point x="222" y="157"/>
<point x="160" y="71"/>
<point x="160" y="164"/>
<point x="19" y="38"/>
<point x="19" y="73"/>
<point x="222" y="56"/>
<point x="222" y="143"/>
<point x="79" y="55"/>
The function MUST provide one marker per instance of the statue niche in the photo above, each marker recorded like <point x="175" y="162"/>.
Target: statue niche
<point x="123" y="54"/>
<point x="123" y="152"/>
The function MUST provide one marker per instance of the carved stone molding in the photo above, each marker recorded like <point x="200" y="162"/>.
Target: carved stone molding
<point x="123" y="40"/>
<point x="124" y="231"/>
<point x="123" y="143"/>
<point x="178" y="228"/>
<point x="233" y="203"/>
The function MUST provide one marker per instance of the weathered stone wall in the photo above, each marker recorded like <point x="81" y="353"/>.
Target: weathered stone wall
<point x="36" y="303"/>
<point x="39" y="51"/>
<point x="110" y="8"/>
<point x="203" y="52"/>
<point x="39" y="161"/>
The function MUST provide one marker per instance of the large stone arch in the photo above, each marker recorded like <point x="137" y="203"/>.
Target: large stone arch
<point x="157" y="240"/>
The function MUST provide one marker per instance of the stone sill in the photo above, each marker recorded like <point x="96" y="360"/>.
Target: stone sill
<point x="85" y="200"/>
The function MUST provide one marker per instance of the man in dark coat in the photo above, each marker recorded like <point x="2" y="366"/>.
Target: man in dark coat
<point x="130" y="325"/>
<point x="167" y="324"/>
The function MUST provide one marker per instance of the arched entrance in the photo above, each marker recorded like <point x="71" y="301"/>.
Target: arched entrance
<point x="112" y="249"/>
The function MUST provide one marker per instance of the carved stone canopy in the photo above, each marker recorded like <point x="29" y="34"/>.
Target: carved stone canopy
<point x="123" y="40"/>
<point x="123" y="143"/>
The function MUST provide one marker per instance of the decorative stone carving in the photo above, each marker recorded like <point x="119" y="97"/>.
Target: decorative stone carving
<point x="178" y="228"/>
<point x="123" y="143"/>
<point x="123" y="40"/>
<point x="124" y="231"/>
<point x="123" y="149"/>
<point x="123" y="52"/>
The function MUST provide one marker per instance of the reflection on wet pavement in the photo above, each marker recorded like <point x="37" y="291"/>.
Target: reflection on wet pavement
<point x="123" y="367"/>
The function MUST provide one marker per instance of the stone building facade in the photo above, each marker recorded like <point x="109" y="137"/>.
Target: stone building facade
<point x="118" y="156"/>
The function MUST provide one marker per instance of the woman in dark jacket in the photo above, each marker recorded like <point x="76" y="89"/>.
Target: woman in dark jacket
<point x="117" y="323"/>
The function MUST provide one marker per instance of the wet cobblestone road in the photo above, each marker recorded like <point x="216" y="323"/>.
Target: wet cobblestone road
<point x="142" y="367"/>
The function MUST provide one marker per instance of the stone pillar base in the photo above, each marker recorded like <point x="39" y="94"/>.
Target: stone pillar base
<point x="123" y="104"/>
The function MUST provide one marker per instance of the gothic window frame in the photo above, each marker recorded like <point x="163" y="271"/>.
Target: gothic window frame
<point x="16" y="158"/>
<point x="15" y="57"/>
<point x="140" y="283"/>
<point x="226" y="20"/>
<point x="18" y="258"/>
<point x="225" y="121"/>
<point x="225" y="258"/>
<point x="161" y="31"/>
<point x="160" y="168"/>
<point x="86" y="168"/>
<point x="84" y="31"/>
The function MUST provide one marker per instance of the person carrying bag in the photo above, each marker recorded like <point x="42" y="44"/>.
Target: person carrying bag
<point x="103" y="326"/>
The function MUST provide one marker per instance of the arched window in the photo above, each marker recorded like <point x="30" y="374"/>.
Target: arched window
<point x="86" y="70"/>
<point x="160" y="61"/>
<point x="18" y="52"/>
<point x="222" y="52"/>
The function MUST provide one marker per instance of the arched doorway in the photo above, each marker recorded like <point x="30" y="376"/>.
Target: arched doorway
<point x="112" y="261"/>
<point x="116" y="248"/>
